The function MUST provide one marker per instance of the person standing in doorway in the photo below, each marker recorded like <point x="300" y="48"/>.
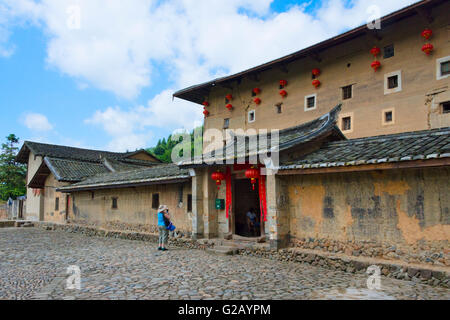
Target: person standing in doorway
<point x="163" y="223"/>
<point x="252" y="221"/>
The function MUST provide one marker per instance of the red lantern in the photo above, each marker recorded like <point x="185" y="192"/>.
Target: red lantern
<point x="316" y="72"/>
<point x="257" y="91"/>
<point x="229" y="97"/>
<point x="218" y="177"/>
<point x="229" y="106"/>
<point x="375" y="51"/>
<point x="206" y="113"/>
<point x="283" y="83"/>
<point x="427" y="33"/>
<point x="283" y="93"/>
<point x="427" y="48"/>
<point x="257" y="101"/>
<point x="206" y="104"/>
<point x="253" y="174"/>
<point x="376" y="65"/>
<point x="316" y="83"/>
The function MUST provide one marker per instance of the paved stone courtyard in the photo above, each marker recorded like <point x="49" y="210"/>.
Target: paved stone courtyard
<point x="33" y="265"/>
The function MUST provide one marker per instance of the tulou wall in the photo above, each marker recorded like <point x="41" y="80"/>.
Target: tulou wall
<point x="407" y="208"/>
<point x="415" y="107"/>
<point x="134" y="208"/>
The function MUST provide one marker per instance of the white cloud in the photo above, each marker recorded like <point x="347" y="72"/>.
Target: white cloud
<point x="119" y="45"/>
<point x="37" y="122"/>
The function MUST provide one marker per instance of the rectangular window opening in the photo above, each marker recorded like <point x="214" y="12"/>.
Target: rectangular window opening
<point x="347" y="92"/>
<point x="388" y="116"/>
<point x="446" y="107"/>
<point x="388" y="51"/>
<point x="311" y="102"/>
<point x="114" y="203"/>
<point x="57" y="204"/>
<point x="393" y="82"/>
<point x="251" y="116"/>
<point x="226" y="123"/>
<point x="445" y="68"/>
<point x="155" y="201"/>
<point x="346" y="123"/>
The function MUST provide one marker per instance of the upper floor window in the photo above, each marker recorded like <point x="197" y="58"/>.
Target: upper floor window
<point x="388" y="117"/>
<point x="347" y="92"/>
<point x="226" y="123"/>
<point x="446" y="107"/>
<point x="346" y="123"/>
<point x="443" y="68"/>
<point x="393" y="82"/>
<point x="251" y="116"/>
<point x="388" y="51"/>
<point x="310" y="102"/>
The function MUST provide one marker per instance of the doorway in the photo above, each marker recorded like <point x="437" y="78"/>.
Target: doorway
<point x="246" y="199"/>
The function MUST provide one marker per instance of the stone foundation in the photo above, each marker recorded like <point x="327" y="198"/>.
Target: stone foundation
<point x="432" y="253"/>
<point x="425" y="273"/>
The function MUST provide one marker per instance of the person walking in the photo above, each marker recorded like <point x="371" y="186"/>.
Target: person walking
<point x="163" y="223"/>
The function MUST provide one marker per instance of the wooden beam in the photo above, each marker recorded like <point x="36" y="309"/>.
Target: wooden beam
<point x="371" y="167"/>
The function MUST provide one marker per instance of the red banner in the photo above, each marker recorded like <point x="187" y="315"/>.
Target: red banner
<point x="262" y="197"/>
<point x="229" y="195"/>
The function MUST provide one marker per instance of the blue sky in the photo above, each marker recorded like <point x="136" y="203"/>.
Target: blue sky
<point x="108" y="85"/>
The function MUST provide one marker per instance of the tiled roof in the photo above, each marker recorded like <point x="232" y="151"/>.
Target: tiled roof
<point x="429" y="144"/>
<point x="64" y="152"/>
<point x="73" y="171"/>
<point x="288" y="138"/>
<point x="162" y="173"/>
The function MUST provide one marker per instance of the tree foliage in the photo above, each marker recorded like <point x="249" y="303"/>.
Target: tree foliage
<point x="12" y="174"/>
<point x="163" y="149"/>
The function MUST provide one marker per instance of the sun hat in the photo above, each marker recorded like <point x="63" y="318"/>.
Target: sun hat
<point x="163" y="208"/>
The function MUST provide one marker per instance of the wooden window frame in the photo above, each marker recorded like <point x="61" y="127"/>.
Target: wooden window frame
<point x="383" y="117"/>
<point x="315" y="102"/>
<point x="439" y="75"/>
<point x="399" y="87"/>
<point x="254" y="116"/>
<point x="352" y="122"/>
<point x="343" y="92"/>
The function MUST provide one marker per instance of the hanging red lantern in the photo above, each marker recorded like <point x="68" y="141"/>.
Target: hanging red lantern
<point x="376" y="65"/>
<point x="375" y="51"/>
<point x="253" y="174"/>
<point x="427" y="48"/>
<point x="316" y="83"/>
<point x="229" y="106"/>
<point x="283" y="83"/>
<point x="206" y="104"/>
<point x="283" y="93"/>
<point x="229" y="97"/>
<point x="218" y="177"/>
<point x="206" y="112"/>
<point x="257" y="101"/>
<point x="316" y="72"/>
<point x="427" y="33"/>
<point x="257" y="91"/>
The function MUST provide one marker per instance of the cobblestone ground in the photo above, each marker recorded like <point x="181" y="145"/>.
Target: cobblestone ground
<point x="33" y="265"/>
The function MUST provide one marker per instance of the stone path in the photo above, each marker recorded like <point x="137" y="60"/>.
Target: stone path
<point x="33" y="265"/>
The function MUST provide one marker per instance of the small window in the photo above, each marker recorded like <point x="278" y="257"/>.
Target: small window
<point x="189" y="202"/>
<point x="278" y="106"/>
<point x="445" y="68"/>
<point x="446" y="107"/>
<point x="310" y="102"/>
<point x="347" y="92"/>
<point x="92" y="195"/>
<point x="251" y="116"/>
<point x="393" y="82"/>
<point x="388" y="116"/>
<point x="388" y="51"/>
<point x="346" y="123"/>
<point x="114" y="203"/>
<point x="180" y="194"/>
<point x="57" y="204"/>
<point x="155" y="201"/>
<point x="226" y="123"/>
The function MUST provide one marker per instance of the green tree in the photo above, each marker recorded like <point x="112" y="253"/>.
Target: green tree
<point x="12" y="174"/>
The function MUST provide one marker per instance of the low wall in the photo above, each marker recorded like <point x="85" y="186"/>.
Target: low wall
<point x="432" y="275"/>
<point x="3" y="212"/>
